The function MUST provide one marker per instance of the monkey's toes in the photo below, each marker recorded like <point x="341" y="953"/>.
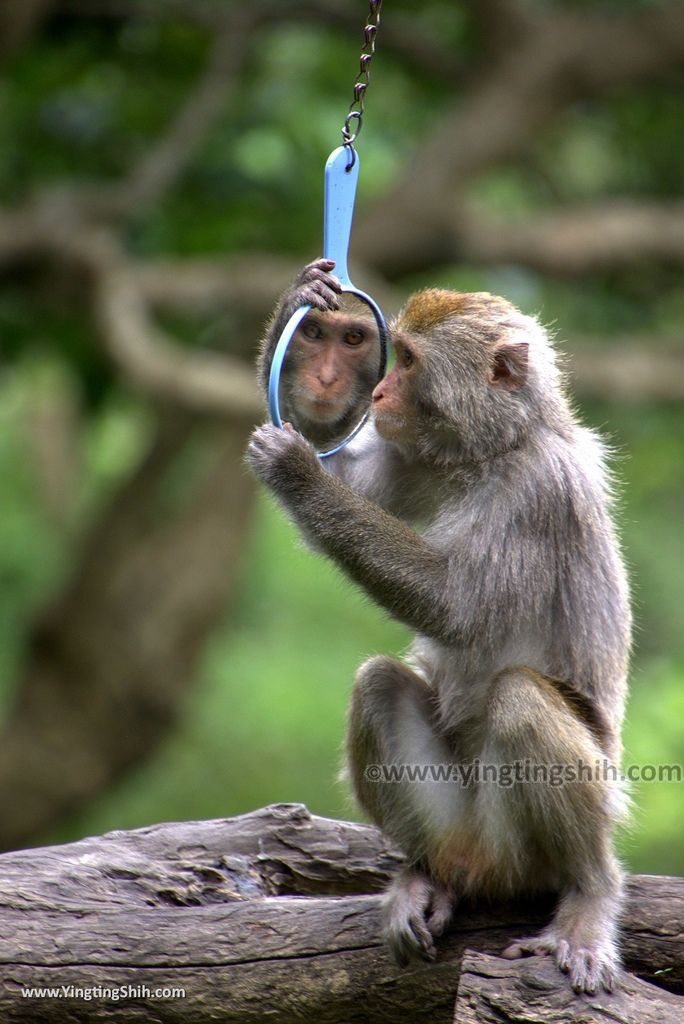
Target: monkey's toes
<point x="533" y="945"/>
<point x="590" y="969"/>
<point x="413" y="903"/>
<point x="410" y="940"/>
<point x="441" y="912"/>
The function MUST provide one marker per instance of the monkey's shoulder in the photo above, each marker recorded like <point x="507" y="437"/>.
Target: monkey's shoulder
<point x="559" y="493"/>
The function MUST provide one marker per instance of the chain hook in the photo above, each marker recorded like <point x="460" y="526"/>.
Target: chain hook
<point x="353" y="122"/>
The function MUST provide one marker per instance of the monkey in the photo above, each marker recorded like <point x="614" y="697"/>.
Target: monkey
<point x="331" y="366"/>
<point x="475" y="508"/>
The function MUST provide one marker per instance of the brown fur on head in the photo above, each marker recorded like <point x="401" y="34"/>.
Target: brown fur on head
<point x="473" y="373"/>
<point x="431" y="306"/>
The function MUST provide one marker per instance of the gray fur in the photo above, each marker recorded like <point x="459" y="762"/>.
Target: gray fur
<point x="490" y="534"/>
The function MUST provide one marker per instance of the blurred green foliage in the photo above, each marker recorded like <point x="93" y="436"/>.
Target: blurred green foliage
<point x="266" y="720"/>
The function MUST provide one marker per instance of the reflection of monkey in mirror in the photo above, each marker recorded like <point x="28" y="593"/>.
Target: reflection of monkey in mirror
<point x="475" y="508"/>
<point x="332" y="362"/>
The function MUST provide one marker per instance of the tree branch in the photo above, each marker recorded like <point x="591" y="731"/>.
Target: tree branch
<point x="561" y="59"/>
<point x="51" y="436"/>
<point x="250" y="281"/>
<point x="203" y="381"/>
<point x="627" y="370"/>
<point x="273" y="916"/>
<point x="582" y="240"/>
<point x="169" y="158"/>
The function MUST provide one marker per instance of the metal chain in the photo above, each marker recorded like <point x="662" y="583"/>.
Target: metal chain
<point x="354" y="119"/>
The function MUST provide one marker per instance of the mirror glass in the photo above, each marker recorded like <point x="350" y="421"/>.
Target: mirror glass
<point x="329" y="370"/>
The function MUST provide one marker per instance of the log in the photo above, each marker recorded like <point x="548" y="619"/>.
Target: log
<point x="492" y="991"/>
<point x="275" y="916"/>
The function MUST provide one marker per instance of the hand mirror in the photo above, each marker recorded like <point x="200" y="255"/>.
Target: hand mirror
<point x="326" y="364"/>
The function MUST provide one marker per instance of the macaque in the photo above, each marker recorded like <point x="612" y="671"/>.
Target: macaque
<point x="475" y="508"/>
<point x="331" y="366"/>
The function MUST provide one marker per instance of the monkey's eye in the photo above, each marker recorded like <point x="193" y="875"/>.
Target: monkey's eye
<point x="406" y="357"/>
<point x="354" y="338"/>
<point x="311" y="330"/>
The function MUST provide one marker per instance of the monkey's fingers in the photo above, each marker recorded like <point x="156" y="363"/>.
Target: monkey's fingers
<point x="256" y="456"/>
<point x="317" y="269"/>
<point x="318" y="287"/>
<point x="264" y="445"/>
<point x="321" y="295"/>
<point x="318" y="276"/>
<point x="321" y="264"/>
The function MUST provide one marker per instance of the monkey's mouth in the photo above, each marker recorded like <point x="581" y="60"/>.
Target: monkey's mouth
<point x="324" y="410"/>
<point x="386" y="422"/>
<point x="390" y="425"/>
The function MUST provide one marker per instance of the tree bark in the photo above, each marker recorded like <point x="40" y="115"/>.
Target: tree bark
<point x="275" y="916"/>
<point x="493" y="991"/>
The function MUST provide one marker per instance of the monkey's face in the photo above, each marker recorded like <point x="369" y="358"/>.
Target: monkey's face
<point x="394" y="405"/>
<point x="454" y="387"/>
<point x="331" y="364"/>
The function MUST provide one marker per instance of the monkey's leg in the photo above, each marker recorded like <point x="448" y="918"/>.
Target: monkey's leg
<point x="392" y="725"/>
<point x="570" y="825"/>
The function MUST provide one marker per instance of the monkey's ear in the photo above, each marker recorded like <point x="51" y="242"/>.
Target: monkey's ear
<point x="508" y="367"/>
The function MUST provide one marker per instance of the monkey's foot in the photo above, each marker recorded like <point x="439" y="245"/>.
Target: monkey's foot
<point x="591" y="965"/>
<point x="417" y="911"/>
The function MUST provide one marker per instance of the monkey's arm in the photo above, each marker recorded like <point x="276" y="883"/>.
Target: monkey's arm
<point x="392" y="563"/>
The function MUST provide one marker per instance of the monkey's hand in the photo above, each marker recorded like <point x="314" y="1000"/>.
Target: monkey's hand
<point x="317" y="287"/>
<point x="282" y="459"/>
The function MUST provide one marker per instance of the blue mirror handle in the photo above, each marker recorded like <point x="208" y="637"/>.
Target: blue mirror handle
<point x="338" y="208"/>
<point x="341" y="178"/>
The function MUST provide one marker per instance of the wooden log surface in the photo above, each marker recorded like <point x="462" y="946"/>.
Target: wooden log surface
<point x="492" y="991"/>
<point x="275" y="916"/>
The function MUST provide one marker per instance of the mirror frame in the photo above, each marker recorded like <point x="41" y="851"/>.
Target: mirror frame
<point x="281" y="351"/>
